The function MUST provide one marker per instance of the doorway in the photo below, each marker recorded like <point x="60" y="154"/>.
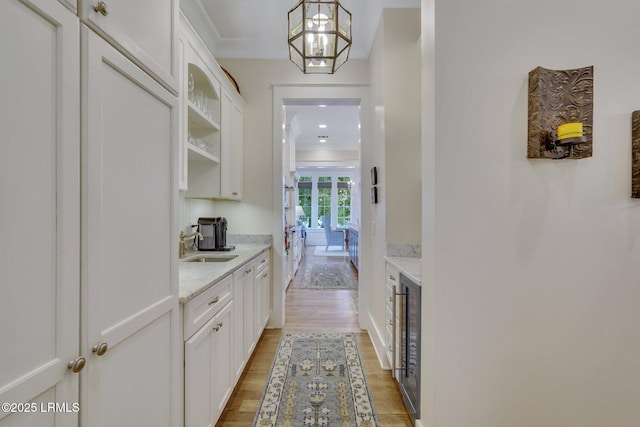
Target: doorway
<point x="297" y="99"/>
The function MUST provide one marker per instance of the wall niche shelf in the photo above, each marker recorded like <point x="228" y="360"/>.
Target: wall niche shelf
<point x="635" y="154"/>
<point x="558" y="97"/>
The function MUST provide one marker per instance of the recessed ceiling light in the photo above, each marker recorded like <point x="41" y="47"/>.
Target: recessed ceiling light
<point x="321" y="105"/>
<point x="322" y="126"/>
<point x="322" y="140"/>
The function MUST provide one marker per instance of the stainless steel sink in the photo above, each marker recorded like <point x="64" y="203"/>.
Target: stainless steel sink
<point x="211" y="258"/>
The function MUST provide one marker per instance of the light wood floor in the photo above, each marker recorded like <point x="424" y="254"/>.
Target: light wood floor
<point x="311" y="310"/>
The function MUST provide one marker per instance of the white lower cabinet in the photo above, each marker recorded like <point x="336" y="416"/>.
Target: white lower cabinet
<point x="208" y="375"/>
<point x="245" y="276"/>
<point x="393" y="308"/>
<point x="221" y="328"/>
<point x="263" y="293"/>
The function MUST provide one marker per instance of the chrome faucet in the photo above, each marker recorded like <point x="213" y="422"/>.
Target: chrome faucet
<point x="183" y="245"/>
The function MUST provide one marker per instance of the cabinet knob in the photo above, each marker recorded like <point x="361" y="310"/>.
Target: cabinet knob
<point x="101" y="8"/>
<point x="100" y="349"/>
<point x="392" y="277"/>
<point x="215" y="300"/>
<point x="390" y="322"/>
<point x="218" y="326"/>
<point x="76" y="365"/>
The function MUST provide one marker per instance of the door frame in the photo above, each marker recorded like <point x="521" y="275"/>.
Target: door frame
<point x="283" y="94"/>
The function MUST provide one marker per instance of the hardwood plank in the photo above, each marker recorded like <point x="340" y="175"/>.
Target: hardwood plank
<point x="311" y="311"/>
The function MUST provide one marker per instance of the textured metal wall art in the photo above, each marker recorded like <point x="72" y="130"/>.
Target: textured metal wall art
<point x="635" y="154"/>
<point x="557" y="97"/>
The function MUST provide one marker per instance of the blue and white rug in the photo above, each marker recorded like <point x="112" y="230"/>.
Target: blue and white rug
<point x="331" y="276"/>
<point x="317" y="379"/>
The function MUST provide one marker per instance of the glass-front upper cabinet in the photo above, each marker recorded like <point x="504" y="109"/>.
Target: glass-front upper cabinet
<point x="199" y="159"/>
<point x="203" y="115"/>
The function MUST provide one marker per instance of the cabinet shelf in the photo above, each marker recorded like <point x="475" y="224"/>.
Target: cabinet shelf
<point x="199" y="155"/>
<point x="197" y="119"/>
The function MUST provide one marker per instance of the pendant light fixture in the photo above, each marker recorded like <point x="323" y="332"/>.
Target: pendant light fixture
<point x="319" y="36"/>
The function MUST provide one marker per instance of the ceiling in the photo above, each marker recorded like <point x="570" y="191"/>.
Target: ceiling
<point x="258" y="28"/>
<point x="328" y="128"/>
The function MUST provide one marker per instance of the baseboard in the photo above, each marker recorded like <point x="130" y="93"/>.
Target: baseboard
<point x="419" y="424"/>
<point x="377" y="339"/>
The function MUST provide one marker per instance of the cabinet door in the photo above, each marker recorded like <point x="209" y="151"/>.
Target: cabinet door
<point x="238" y="355"/>
<point x="231" y="148"/>
<point x="129" y="242"/>
<point x="40" y="208"/>
<point x="246" y="276"/>
<point x="144" y="30"/>
<point x="183" y="125"/>
<point x="263" y="300"/>
<point x="208" y="374"/>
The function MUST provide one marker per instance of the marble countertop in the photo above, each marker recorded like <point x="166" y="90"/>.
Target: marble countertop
<point x="409" y="266"/>
<point x="196" y="277"/>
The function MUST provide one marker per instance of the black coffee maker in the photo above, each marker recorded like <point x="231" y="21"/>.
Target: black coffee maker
<point x="214" y="234"/>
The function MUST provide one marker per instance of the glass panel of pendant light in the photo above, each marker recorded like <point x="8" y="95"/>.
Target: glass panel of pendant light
<point x="295" y="22"/>
<point x="344" y="22"/>
<point x="342" y="58"/>
<point x="319" y="65"/>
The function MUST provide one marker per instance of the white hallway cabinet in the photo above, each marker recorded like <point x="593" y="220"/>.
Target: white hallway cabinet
<point x="88" y="184"/>
<point x="39" y="210"/>
<point x="129" y="276"/>
<point x="144" y="30"/>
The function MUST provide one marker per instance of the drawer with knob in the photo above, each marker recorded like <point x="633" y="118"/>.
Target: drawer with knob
<point x="262" y="262"/>
<point x="202" y="308"/>
<point x="392" y="275"/>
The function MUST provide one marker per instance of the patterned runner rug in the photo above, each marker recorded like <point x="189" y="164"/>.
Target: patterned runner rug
<point x="317" y="379"/>
<point x="328" y="276"/>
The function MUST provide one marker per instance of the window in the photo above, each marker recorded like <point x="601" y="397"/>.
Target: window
<point x="344" y="201"/>
<point x="329" y="195"/>
<point x="324" y="198"/>
<point x="304" y="199"/>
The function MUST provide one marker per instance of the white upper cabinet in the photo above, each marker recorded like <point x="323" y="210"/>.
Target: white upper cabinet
<point x="200" y="131"/>
<point x="40" y="210"/>
<point x="144" y="30"/>
<point x="72" y="5"/>
<point x="211" y="123"/>
<point x="231" y="146"/>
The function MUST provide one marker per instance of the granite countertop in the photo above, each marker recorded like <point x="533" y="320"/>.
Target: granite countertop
<point x="196" y="277"/>
<point x="409" y="266"/>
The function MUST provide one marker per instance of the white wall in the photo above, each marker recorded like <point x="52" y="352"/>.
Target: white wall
<point x="402" y="172"/>
<point x="395" y="148"/>
<point x="535" y="271"/>
<point x="340" y="157"/>
<point x="375" y="152"/>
